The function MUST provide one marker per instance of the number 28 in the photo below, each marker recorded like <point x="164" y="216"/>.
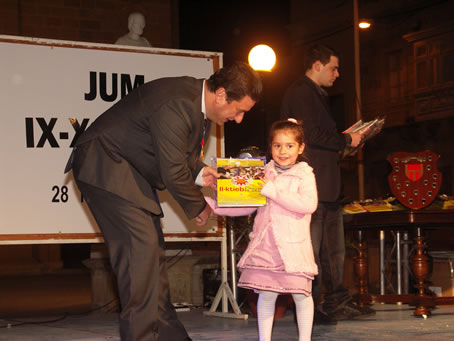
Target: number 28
<point x="61" y="194"/>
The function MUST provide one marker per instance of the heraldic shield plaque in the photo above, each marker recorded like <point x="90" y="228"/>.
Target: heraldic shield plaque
<point x="415" y="179"/>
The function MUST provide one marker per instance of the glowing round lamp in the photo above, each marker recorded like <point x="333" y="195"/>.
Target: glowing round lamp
<point x="262" y="58"/>
<point x="364" y="25"/>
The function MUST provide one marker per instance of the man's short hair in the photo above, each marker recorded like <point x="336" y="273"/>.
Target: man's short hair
<point x="319" y="52"/>
<point x="238" y="80"/>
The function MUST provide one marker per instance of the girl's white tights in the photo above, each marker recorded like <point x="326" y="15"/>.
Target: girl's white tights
<point x="265" y="314"/>
<point x="304" y="315"/>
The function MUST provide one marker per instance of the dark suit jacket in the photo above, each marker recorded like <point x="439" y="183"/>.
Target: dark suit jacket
<point x="305" y="101"/>
<point x="148" y="140"/>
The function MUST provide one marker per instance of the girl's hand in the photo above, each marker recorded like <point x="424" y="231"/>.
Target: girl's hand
<point x="261" y="184"/>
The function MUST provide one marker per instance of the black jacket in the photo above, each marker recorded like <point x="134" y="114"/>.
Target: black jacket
<point x="148" y="140"/>
<point x="306" y="101"/>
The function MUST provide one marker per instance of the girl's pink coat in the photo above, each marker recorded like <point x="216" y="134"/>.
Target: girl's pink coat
<point x="292" y="198"/>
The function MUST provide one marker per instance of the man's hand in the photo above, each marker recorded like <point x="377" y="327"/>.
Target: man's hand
<point x="209" y="177"/>
<point x="202" y="218"/>
<point x="356" y="139"/>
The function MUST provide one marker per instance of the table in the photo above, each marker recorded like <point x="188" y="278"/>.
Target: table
<point x="414" y="221"/>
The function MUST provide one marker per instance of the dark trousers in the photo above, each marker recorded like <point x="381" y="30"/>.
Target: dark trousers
<point x="327" y="233"/>
<point x="135" y="242"/>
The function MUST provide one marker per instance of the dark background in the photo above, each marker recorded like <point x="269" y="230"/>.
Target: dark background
<point x="414" y="92"/>
<point x="234" y="28"/>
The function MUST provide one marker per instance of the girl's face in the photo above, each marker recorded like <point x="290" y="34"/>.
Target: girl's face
<point x="285" y="149"/>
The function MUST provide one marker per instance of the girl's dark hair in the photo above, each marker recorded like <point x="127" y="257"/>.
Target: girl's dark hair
<point x="286" y="125"/>
<point x="238" y="80"/>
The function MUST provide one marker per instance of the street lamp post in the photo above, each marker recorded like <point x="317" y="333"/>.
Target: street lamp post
<point x="262" y="59"/>
<point x="360" y="156"/>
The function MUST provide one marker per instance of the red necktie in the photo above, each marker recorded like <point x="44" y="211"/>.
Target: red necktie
<point x="202" y="154"/>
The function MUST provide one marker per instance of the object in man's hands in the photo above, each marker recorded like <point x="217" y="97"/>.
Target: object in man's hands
<point x="367" y="130"/>
<point x="241" y="182"/>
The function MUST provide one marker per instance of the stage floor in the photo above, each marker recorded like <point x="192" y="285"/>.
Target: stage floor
<point x="392" y="322"/>
<point x="29" y="304"/>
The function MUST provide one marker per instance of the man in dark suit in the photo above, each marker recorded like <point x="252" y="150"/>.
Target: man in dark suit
<point x="306" y="100"/>
<point x="151" y="140"/>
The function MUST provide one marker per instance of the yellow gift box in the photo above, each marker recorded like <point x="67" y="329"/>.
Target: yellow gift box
<point x="241" y="182"/>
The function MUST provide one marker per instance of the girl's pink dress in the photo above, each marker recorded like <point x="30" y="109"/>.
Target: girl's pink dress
<point x="279" y="256"/>
<point x="272" y="275"/>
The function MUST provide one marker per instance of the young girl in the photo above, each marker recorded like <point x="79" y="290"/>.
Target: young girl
<point x="279" y="258"/>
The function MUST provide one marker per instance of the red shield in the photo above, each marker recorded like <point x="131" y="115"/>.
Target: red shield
<point x="414" y="171"/>
<point x="415" y="179"/>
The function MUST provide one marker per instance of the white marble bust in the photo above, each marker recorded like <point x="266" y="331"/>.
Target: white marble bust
<point x="136" y="24"/>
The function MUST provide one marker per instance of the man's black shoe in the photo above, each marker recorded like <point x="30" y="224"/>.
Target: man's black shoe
<point x="364" y="311"/>
<point x="322" y="318"/>
<point x="345" y="313"/>
<point x="351" y="310"/>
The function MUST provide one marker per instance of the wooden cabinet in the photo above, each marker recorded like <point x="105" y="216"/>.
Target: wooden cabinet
<point x="433" y="59"/>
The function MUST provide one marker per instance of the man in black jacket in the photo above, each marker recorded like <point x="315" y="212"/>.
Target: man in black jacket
<point x="306" y="100"/>
<point x="151" y="140"/>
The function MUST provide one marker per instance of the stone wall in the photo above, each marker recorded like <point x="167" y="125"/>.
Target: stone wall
<point x="99" y="21"/>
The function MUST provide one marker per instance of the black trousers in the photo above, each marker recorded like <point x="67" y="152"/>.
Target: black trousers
<point x="135" y="242"/>
<point x="328" y="242"/>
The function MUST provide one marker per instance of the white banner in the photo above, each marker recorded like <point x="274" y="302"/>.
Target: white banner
<point x="42" y="84"/>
